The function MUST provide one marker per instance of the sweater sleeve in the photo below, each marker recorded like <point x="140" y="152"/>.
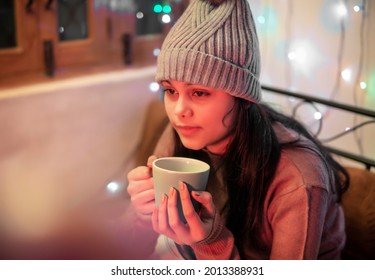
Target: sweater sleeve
<point x="219" y="245"/>
<point x="297" y="221"/>
<point x="302" y="217"/>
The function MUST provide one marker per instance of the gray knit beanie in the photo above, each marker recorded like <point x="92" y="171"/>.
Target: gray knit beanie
<point x="214" y="44"/>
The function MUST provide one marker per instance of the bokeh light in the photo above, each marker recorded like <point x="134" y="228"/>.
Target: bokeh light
<point x="317" y="115"/>
<point x="356" y="8"/>
<point x="154" y="87"/>
<point x="156" y="52"/>
<point x="304" y="56"/>
<point x="167" y="9"/>
<point x="158" y="8"/>
<point x="332" y="14"/>
<point x="340" y="10"/>
<point x="371" y="85"/>
<point x="363" y="85"/>
<point x="261" y="19"/>
<point x="166" y="19"/>
<point x="113" y="187"/>
<point x="346" y="74"/>
<point x="267" y="22"/>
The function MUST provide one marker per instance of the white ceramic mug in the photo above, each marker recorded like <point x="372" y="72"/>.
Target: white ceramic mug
<point x="168" y="171"/>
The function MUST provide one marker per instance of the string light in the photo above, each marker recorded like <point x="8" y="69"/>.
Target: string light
<point x="158" y="8"/>
<point x="317" y="115"/>
<point x="154" y="87"/>
<point x="292" y="55"/>
<point x="261" y="19"/>
<point x="357" y="8"/>
<point x="113" y="187"/>
<point x="166" y="19"/>
<point x="299" y="55"/>
<point x="304" y="56"/>
<point x="156" y="52"/>
<point x="337" y="16"/>
<point x="167" y="9"/>
<point x="346" y="74"/>
<point x="268" y="20"/>
<point x="341" y="10"/>
<point x="363" y="85"/>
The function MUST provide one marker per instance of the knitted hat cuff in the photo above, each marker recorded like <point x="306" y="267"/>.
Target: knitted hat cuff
<point x="192" y="66"/>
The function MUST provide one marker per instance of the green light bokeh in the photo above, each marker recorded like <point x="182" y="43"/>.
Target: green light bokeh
<point x="269" y="21"/>
<point x="371" y="85"/>
<point x="158" y="8"/>
<point x="167" y="9"/>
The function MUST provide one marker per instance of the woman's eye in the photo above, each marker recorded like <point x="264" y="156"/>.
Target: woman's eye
<point x="200" y="93"/>
<point x="169" y="91"/>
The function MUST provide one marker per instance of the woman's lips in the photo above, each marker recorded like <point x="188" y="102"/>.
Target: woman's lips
<point x="186" y="130"/>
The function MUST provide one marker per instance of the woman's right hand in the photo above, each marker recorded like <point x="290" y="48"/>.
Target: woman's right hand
<point x="141" y="190"/>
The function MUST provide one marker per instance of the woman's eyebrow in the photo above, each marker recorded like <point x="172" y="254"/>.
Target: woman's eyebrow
<point x="165" y="82"/>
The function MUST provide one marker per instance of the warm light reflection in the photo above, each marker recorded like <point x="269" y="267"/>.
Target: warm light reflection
<point x="346" y="74"/>
<point x="154" y="87"/>
<point x="303" y="56"/>
<point x="356" y="8"/>
<point x="268" y="21"/>
<point x="341" y="10"/>
<point x="113" y="187"/>
<point x="156" y="52"/>
<point x="334" y="14"/>
<point x="166" y="19"/>
<point x="261" y="19"/>
<point x="317" y="115"/>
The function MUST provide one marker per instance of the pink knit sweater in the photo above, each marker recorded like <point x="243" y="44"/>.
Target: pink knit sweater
<point x="301" y="218"/>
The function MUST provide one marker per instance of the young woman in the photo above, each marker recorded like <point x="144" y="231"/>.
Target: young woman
<point x="273" y="191"/>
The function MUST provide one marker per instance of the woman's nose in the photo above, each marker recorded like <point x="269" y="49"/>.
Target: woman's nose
<point x="183" y="108"/>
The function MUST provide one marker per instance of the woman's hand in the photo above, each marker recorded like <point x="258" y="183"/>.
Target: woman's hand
<point x="141" y="189"/>
<point x="165" y="219"/>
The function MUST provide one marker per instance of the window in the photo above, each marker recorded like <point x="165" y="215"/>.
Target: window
<point x="72" y="19"/>
<point x="7" y="25"/>
<point x="148" y="19"/>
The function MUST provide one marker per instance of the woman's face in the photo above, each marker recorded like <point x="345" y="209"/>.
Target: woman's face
<point x="201" y="116"/>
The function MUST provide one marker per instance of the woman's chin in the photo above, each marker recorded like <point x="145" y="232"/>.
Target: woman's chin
<point x="192" y="146"/>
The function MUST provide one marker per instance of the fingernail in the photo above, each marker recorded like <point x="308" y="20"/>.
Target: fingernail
<point x="197" y="193"/>
<point x="163" y="198"/>
<point x="171" y="191"/>
<point x="182" y="186"/>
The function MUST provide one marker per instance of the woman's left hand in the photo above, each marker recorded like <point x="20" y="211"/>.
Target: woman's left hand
<point x="165" y="219"/>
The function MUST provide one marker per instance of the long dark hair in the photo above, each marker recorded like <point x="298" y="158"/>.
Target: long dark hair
<point x="249" y="166"/>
